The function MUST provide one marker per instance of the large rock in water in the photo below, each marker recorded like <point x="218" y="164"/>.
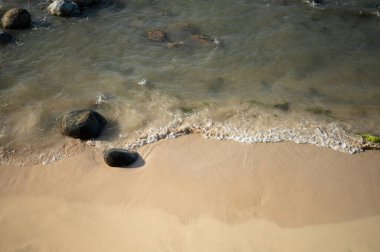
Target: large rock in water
<point x="120" y="157"/>
<point x="83" y="124"/>
<point x="5" y="37"/>
<point x="16" y="18"/>
<point x="63" y="8"/>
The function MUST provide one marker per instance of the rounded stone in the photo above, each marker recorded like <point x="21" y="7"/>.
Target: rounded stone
<point x="83" y="124"/>
<point x="16" y="18"/>
<point x="157" y="35"/>
<point x="6" y="37"/>
<point x="63" y="8"/>
<point x="119" y="157"/>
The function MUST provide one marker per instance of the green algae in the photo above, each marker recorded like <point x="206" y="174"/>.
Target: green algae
<point x="370" y="138"/>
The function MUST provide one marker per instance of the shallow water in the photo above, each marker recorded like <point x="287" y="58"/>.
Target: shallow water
<point x="285" y="70"/>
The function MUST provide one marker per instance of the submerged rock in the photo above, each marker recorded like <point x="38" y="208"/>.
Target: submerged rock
<point x="120" y="157"/>
<point x="157" y="35"/>
<point x="175" y="44"/>
<point x="206" y="40"/>
<point x="6" y="37"/>
<point x="203" y="39"/>
<point x="16" y="18"/>
<point x="63" y="8"/>
<point x="83" y="124"/>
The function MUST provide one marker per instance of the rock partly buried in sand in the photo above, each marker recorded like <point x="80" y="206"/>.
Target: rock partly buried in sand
<point x="120" y="157"/>
<point x="83" y="124"/>
<point x="16" y="18"/>
<point x="5" y="37"/>
<point x="157" y="35"/>
<point x="63" y="8"/>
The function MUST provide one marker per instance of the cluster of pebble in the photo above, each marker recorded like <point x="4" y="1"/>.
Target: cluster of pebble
<point x="87" y="124"/>
<point x="159" y="35"/>
<point x="19" y="18"/>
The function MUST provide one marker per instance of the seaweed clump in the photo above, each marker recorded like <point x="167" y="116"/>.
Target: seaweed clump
<point x="367" y="138"/>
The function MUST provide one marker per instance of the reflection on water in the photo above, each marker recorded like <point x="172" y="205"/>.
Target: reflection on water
<point x="281" y="64"/>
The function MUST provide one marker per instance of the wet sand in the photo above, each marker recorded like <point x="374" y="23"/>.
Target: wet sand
<point x="194" y="194"/>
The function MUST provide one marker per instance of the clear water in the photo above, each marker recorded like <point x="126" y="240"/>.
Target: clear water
<point x="285" y="70"/>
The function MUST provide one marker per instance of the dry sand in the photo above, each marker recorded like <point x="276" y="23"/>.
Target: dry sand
<point x="193" y="194"/>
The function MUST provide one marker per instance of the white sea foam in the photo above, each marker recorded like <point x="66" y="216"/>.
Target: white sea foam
<point x="330" y="135"/>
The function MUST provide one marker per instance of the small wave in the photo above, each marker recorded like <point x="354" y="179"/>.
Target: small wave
<point x="329" y="135"/>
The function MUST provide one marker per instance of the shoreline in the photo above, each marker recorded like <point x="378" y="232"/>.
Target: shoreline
<point x="196" y="194"/>
<point x="330" y="136"/>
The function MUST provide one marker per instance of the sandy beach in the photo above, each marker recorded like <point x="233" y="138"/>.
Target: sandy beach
<point x="214" y="96"/>
<point x="194" y="194"/>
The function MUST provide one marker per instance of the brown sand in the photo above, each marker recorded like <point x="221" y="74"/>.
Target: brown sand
<point x="193" y="194"/>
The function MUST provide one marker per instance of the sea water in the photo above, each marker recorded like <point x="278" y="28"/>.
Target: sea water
<point x="274" y="70"/>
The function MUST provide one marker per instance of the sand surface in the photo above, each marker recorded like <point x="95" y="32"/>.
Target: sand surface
<point x="193" y="194"/>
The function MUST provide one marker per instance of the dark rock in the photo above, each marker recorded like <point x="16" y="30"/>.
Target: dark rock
<point x="83" y="124"/>
<point x="5" y="37"/>
<point x="157" y="35"/>
<point x="63" y="8"/>
<point x="16" y="18"/>
<point x="120" y="157"/>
